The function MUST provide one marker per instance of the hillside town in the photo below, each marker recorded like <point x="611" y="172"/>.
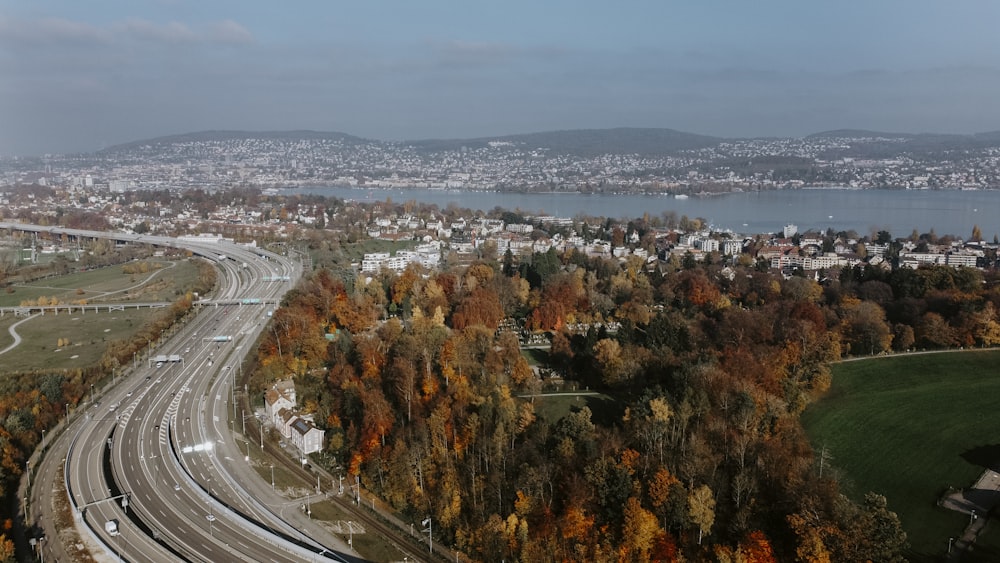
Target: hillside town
<point x="212" y="162"/>
<point x="429" y="237"/>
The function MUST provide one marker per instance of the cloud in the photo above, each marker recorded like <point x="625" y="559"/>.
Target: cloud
<point x="50" y="31"/>
<point x="171" y="32"/>
<point x="228" y="31"/>
<point x="461" y="53"/>
<point x="225" y="32"/>
<point x="58" y="32"/>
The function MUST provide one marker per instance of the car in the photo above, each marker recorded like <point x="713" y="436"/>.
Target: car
<point x="177" y="487"/>
<point x="129" y="394"/>
<point x="159" y="364"/>
<point x="112" y="408"/>
<point x="211" y="517"/>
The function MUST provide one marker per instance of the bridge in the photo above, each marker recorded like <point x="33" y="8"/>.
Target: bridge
<point x="69" y="308"/>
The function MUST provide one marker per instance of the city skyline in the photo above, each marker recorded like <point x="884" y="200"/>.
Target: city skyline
<point x="87" y="77"/>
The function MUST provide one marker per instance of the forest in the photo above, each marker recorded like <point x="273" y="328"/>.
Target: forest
<point x="420" y="382"/>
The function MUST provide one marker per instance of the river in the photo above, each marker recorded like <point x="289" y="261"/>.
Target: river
<point x="864" y="211"/>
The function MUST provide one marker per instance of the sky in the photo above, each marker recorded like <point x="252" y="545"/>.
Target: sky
<point x="80" y="76"/>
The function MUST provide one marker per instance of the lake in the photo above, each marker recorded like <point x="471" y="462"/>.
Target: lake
<point x="865" y="211"/>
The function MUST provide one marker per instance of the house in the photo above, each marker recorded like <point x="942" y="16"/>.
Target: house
<point x="281" y="410"/>
<point x="306" y="437"/>
<point x="280" y="396"/>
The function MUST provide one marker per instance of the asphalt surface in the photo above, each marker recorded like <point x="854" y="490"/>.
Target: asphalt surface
<point x="155" y="453"/>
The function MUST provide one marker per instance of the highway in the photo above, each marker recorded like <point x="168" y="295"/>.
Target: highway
<point x="156" y="453"/>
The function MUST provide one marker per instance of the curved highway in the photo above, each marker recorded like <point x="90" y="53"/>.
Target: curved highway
<point x="156" y="454"/>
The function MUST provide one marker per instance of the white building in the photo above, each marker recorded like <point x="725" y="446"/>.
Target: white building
<point x="306" y="437"/>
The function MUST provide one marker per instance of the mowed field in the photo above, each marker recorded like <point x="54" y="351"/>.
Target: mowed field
<point x="909" y="427"/>
<point x="164" y="282"/>
<point x="85" y="338"/>
<point x="76" y="340"/>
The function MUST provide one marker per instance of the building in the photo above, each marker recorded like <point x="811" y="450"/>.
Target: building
<point x="280" y="396"/>
<point x="306" y="437"/>
<point x="280" y="409"/>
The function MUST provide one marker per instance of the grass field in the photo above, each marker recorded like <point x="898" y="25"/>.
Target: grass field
<point x="905" y="427"/>
<point x="5" y="338"/>
<point x="87" y="335"/>
<point x="536" y="356"/>
<point x="605" y="409"/>
<point x="355" y="252"/>
<point x="109" y="284"/>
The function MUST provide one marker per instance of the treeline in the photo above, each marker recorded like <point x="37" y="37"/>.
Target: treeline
<point x="703" y="456"/>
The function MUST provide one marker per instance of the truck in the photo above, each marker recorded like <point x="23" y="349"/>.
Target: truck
<point x="111" y="527"/>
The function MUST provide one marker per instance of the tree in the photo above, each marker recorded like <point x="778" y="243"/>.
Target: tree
<point x="660" y="487"/>
<point x="701" y="506"/>
<point x="934" y="332"/>
<point x="810" y="547"/>
<point x="977" y="234"/>
<point x="865" y="329"/>
<point x="639" y="531"/>
<point x="608" y="354"/>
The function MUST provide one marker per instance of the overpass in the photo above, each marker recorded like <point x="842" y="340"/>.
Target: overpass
<point x="28" y="310"/>
<point x="208" y="249"/>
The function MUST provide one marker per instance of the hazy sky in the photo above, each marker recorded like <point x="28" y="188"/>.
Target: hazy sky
<point x="79" y="75"/>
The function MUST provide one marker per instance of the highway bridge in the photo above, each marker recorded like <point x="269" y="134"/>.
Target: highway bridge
<point x="82" y="308"/>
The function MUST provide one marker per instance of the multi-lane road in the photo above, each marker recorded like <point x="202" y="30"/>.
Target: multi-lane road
<point x="156" y="453"/>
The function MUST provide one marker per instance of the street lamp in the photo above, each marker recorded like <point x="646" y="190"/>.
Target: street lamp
<point x="350" y="537"/>
<point x="430" y="534"/>
<point x="272" y="477"/>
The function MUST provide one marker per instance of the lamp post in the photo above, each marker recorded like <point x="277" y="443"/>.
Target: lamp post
<point x="430" y="534"/>
<point x="272" y="477"/>
<point x="350" y="537"/>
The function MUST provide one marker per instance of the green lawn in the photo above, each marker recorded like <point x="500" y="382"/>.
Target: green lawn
<point x="605" y="409"/>
<point x="900" y="426"/>
<point x="536" y="356"/>
<point x="109" y="284"/>
<point x="87" y="333"/>
<point x="5" y="338"/>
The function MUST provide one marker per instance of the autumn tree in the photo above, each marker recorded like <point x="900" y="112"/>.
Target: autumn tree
<point x="701" y="506"/>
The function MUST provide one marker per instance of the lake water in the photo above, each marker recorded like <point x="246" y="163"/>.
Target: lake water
<point x="865" y="211"/>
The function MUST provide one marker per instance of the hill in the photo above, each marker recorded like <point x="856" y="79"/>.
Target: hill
<point x="203" y="136"/>
<point x="587" y="142"/>
<point x="858" y="134"/>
